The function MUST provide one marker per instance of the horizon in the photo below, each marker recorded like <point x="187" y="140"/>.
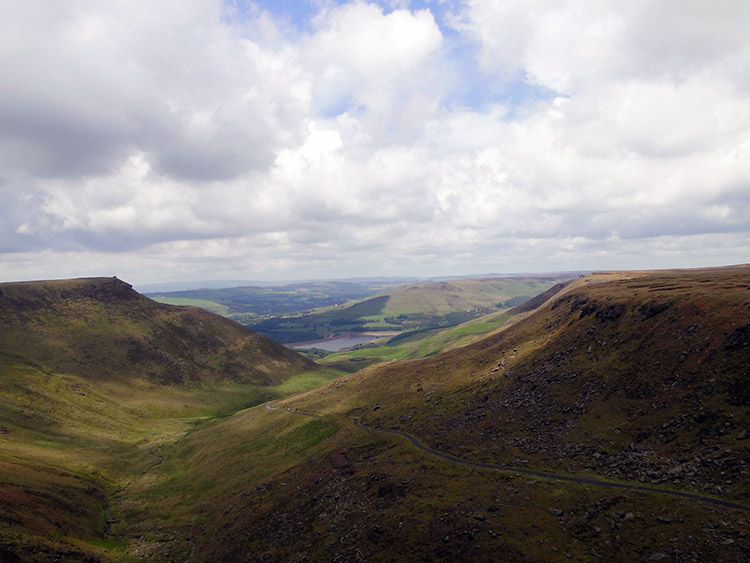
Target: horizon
<point x="206" y="284"/>
<point x="328" y="140"/>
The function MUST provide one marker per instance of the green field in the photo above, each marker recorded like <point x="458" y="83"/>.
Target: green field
<point x="212" y="306"/>
<point x="408" y="308"/>
<point x="74" y="450"/>
<point x="419" y="344"/>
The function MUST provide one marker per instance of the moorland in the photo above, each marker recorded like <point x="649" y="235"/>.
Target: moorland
<point x="604" y="420"/>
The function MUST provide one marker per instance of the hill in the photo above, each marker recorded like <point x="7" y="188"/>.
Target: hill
<point x="247" y="303"/>
<point x="407" y="308"/>
<point x="610" y="424"/>
<point x="102" y="329"/>
<point x="422" y="343"/>
<point x="94" y="380"/>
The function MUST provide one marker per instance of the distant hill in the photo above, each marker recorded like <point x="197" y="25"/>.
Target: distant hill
<point x="101" y="329"/>
<point x="245" y="303"/>
<point x="410" y="307"/>
<point x="427" y="342"/>
<point x="631" y="378"/>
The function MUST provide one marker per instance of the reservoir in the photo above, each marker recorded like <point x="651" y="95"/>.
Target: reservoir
<point x="335" y="344"/>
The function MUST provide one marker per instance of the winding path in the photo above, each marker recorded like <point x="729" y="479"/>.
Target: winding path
<point x="541" y="474"/>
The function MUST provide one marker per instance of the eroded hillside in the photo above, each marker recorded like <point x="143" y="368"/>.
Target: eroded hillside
<point x="643" y="379"/>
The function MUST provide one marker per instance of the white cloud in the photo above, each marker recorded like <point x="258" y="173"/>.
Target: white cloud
<point x="366" y="58"/>
<point x="184" y="139"/>
<point x="96" y="80"/>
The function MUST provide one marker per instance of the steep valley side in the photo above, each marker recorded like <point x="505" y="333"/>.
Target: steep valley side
<point x="95" y="380"/>
<point x="635" y="377"/>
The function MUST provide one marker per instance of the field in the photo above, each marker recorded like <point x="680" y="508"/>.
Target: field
<point x="76" y="443"/>
<point x="211" y="306"/>
<point x="409" y="308"/>
<point x="412" y="345"/>
<point x="248" y="304"/>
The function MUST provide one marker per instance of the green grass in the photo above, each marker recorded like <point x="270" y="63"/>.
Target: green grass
<point x="405" y="308"/>
<point x="204" y="470"/>
<point x="305" y="381"/>
<point x="69" y="443"/>
<point x="212" y="306"/>
<point x="418" y="345"/>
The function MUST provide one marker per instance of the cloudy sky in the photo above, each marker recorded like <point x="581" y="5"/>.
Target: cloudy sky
<point x="279" y="139"/>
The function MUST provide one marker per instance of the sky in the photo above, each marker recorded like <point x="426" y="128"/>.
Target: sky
<point x="317" y="139"/>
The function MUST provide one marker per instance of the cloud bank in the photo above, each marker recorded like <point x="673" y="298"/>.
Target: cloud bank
<point x="198" y="139"/>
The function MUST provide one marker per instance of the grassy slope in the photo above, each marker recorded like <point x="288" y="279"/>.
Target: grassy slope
<point x="630" y="376"/>
<point x="79" y="416"/>
<point x="211" y="306"/>
<point x="103" y="329"/>
<point x="418" y="345"/>
<point x="68" y="444"/>
<point x="269" y="486"/>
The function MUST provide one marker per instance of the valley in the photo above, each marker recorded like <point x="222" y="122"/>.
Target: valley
<point x="604" y="420"/>
<point x="328" y="310"/>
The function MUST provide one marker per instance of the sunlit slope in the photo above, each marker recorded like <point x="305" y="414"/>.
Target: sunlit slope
<point x="460" y="295"/>
<point x="644" y="378"/>
<point x="635" y="377"/>
<point x="94" y="379"/>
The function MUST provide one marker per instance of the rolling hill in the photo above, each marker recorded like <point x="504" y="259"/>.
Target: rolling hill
<point x="408" y="308"/>
<point x="245" y="303"/>
<point x="578" y="433"/>
<point x="422" y="343"/>
<point x="102" y="329"/>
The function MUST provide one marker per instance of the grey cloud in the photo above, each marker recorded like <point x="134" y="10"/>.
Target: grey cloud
<point x="71" y="105"/>
<point x="47" y="143"/>
<point x="677" y="37"/>
<point x="159" y="138"/>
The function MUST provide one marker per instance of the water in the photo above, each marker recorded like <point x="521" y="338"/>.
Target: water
<point x="334" y="344"/>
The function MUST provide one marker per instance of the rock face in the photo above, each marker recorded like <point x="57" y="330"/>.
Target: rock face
<point x="102" y="328"/>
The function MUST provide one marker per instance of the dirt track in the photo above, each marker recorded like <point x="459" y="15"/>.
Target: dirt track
<point x="540" y="474"/>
